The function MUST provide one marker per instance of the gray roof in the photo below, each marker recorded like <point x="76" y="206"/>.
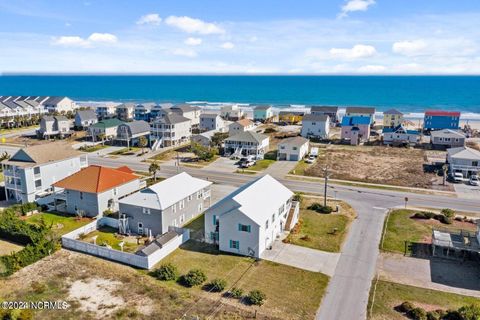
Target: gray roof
<point x="172" y="118"/>
<point x="158" y="243"/>
<point x="61" y="118"/>
<point x="126" y="105"/>
<point x="298" y="113"/>
<point x="329" y="109"/>
<point x="138" y="126"/>
<point x="147" y="106"/>
<point x="48" y="118"/>
<point x="367" y="110"/>
<point x="11" y="104"/>
<point x="87" y="114"/>
<point x="263" y="107"/>
<point x="296" y="141"/>
<point x="248" y="136"/>
<point x="53" y="100"/>
<point x="392" y="111"/>
<point x="209" y="115"/>
<point x="315" y="117"/>
<point x="447" y="132"/>
<point x="185" y="107"/>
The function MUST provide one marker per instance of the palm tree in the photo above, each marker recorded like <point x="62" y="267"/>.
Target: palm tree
<point x="102" y="137"/>
<point x="153" y="169"/>
<point x="142" y="142"/>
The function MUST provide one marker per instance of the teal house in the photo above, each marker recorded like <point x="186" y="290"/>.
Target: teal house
<point x="262" y="113"/>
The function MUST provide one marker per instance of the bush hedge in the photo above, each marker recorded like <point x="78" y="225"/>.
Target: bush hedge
<point x="194" y="277"/>
<point x="217" y="285"/>
<point x="236" y="293"/>
<point x="320" y="208"/>
<point x="470" y="312"/>
<point x="166" y="272"/>
<point x="256" y="297"/>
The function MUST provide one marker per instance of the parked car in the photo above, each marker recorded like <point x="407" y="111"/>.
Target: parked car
<point x="474" y="181"/>
<point x="310" y="159"/>
<point x="247" y="164"/>
<point x="457" y="177"/>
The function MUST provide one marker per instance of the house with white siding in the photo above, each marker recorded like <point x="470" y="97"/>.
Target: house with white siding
<point x="56" y="126"/>
<point x="246" y="144"/>
<point x="59" y="104"/>
<point x="293" y="149"/>
<point x="211" y="121"/>
<point x="315" y="126"/>
<point x="400" y="135"/>
<point x="231" y="112"/>
<point x="85" y="118"/>
<point x="242" y="224"/>
<point x="447" y="138"/>
<point x="241" y="125"/>
<point x="465" y="160"/>
<point x="171" y="130"/>
<point x="188" y="111"/>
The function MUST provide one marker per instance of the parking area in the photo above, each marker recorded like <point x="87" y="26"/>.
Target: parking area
<point x="280" y="169"/>
<point x="222" y="164"/>
<point x="466" y="191"/>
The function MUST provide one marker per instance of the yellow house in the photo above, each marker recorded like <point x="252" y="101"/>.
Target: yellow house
<point x="290" y="117"/>
<point x="392" y="118"/>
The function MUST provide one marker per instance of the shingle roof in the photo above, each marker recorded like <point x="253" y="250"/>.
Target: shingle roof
<point x="464" y="153"/>
<point x="367" y="110"/>
<point x="353" y="121"/>
<point x="172" y="118"/>
<point x="315" y="117"/>
<point x="263" y="107"/>
<point x="139" y="126"/>
<point x="248" y="136"/>
<point x="392" y="111"/>
<point x="87" y="114"/>
<point x="296" y="141"/>
<point x="209" y="115"/>
<point x="245" y="122"/>
<point x="167" y="192"/>
<point x="185" y="107"/>
<point x="43" y="153"/>
<point x="107" y="123"/>
<point x="329" y="109"/>
<point x="95" y="179"/>
<point x="53" y="100"/>
<point x="447" y="132"/>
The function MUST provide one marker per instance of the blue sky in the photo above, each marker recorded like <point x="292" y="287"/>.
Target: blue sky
<point x="241" y="37"/>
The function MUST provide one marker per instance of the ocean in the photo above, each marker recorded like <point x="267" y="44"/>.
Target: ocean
<point x="409" y="94"/>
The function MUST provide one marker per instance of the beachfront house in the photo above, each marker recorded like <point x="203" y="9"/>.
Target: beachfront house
<point x="356" y="129"/>
<point x="392" y="118"/>
<point x="94" y="190"/>
<point x="211" y="121"/>
<point x="129" y="133"/>
<point x="315" y="126"/>
<point x="172" y="129"/>
<point x="465" y="160"/>
<point x="56" y="126"/>
<point x="251" y="218"/>
<point x="361" y="112"/>
<point x="31" y="171"/>
<point x="331" y="112"/>
<point x="143" y="111"/>
<point x="85" y="118"/>
<point x="447" y="138"/>
<point x="241" y="125"/>
<point x="293" y="149"/>
<point x="188" y="111"/>
<point x="290" y="117"/>
<point x="171" y="202"/>
<point x="126" y="111"/>
<point x="59" y="104"/>
<point x="231" y="112"/>
<point x="159" y="110"/>
<point x="107" y="110"/>
<point x="400" y="135"/>
<point x="247" y="143"/>
<point x="262" y="113"/>
<point x="438" y="120"/>
<point x="105" y="129"/>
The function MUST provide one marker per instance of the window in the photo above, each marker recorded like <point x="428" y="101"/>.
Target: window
<point x="214" y="219"/>
<point x="182" y="204"/>
<point x="273" y="218"/>
<point x="266" y="224"/>
<point x="190" y="197"/>
<point x="36" y="170"/>
<point x="474" y="163"/>
<point x="182" y="218"/>
<point x="115" y="191"/>
<point x="146" y="210"/>
<point x="174" y="208"/>
<point x="280" y="210"/>
<point x="199" y="194"/>
<point x="244" y="228"/>
<point x="213" y="236"/>
<point x="234" y="244"/>
<point x="294" y="148"/>
<point x="81" y="195"/>
<point x="200" y="207"/>
<point x="38" y="183"/>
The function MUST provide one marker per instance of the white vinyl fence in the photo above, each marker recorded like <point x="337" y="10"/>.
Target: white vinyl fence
<point x="69" y="241"/>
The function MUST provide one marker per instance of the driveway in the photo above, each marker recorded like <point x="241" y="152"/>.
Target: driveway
<point x="436" y="274"/>
<point x="222" y="164"/>
<point x="466" y="191"/>
<point x="280" y="168"/>
<point x="302" y="258"/>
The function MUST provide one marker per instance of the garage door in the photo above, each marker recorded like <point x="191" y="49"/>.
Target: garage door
<point x="294" y="157"/>
<point x="282" y="156"/>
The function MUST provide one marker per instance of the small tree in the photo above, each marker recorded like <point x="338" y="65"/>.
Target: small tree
<point x="203" y="153"/>
<point x="471" y="312"/>
<point x="256" y="297"/>
<point x="194" y="277"/>
<point x="153" y="169"/>
<point x="217" y="285"/>
<point x="449" y="213"/>
<point x="142" y="142"/>
<point x="102" y="137"/>
<point x="166" y="272"/>
<point x="236" y="293"/>
<point x="217" y="138"/>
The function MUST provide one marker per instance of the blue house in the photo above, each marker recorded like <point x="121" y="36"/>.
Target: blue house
<point x="438" y="120"/>
<point x="143" y="111"/>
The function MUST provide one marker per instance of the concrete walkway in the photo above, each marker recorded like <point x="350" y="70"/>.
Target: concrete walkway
<point x="436" y="274"/>
<point x="302" y="258"/>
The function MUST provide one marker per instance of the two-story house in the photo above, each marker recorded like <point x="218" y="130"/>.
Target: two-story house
<point x="129" y="133"/>
<point x="31" y="171"/>
<point x="392" y="118"/>
<point x="361" y="112"/>
<point x="247" y="143"/>
<point x="249" y="220"/>
<point x="400" y="135"/>
<point x="211" y="121"/>
<point x="315" y="126"/>
<point x="293" y="149"/>
<point x="438" y="120"/>
<point x="143" y="111"/>
<point x="188" y="111"/>
<point x="447" y="138"/>
<point x="85" y="118"/>
<point x="104" y="129"/>
<point x="465" y="160"/>
<point x="57" y="126"/>
<point x="126" y="111"/>
<point x="241" y="125"/>
<point x="231" y="112"/>
<point x="356" y="129"/>
<point x="59" y="104"/>
<point x="171" y="202"/>
<point x="262" y="113"/>
<point x="330" y="111"/>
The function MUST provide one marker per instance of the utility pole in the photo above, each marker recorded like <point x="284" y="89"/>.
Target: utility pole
<point x="178" y="162"/>
<point x="325" y="170"/>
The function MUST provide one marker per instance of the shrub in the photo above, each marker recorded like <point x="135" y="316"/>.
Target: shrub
<point x="256" y="297"/>
<point x="449" y="213"/>
<point x="429" y="214"/>
<point x="320" y="208"/>
<point x="433" y="315"/>
<point x="297" y="197"/>
<point x="194" y="277"/>
<point x="405" y="307"/>
<point x="418" y="314"/>
<point x="217" y="285"/>
<point x="471" y="312"/>
<point x="452" y="315"/>
<point x="420" y="215"/>
<point x="236" y="293"/>
<point x="270" y="130"/>
<point x="166" y="272"/>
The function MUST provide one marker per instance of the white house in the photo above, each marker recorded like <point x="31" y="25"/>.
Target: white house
<point x="31" y="171"/>
<point x="59" y="104"/>
<point x="293" y="149"/>
<point x="188" y="111"/>
<point x="251" y="218"/>
<point x="172" y="129"/>
<point x="54" y="126"/>
<point x="400" y="135"/>
<point x="231" y="112"/>
<point x="126" y="111"/>
<point x="247" y="143"/>
<point x="85" y="118"/>
<point x="211" y="121"/>
<point x="447" y="138"/>
<point x="241" y="125"/>
<point x="315" y="126"/>
<point x="107" y="110"/>
<point x="465" y="160"/>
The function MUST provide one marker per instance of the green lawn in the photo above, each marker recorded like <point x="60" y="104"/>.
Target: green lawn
<point x="389" y="295"/>
<point x="290" y="291"/>
<point x="125" y="151"/>
<point x="316" y="230"/>
<point x="92" y="148"/>
<point x="401" y="228"/>
<point x="300" y="168"/>
<point x="61" y="223"/>
<point x="106" y="236"/>
<point x="261" y="165"/>
<point x="12" y="130"/>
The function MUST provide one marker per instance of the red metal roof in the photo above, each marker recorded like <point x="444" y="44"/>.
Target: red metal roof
<point x="442" y="113"/>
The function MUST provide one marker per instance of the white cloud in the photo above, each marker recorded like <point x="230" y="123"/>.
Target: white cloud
<point x="409" y="48"/>
<point x="193" y="41"/>
<point x="372" y="69"/>
<point x="357" y="52"/>
<point x="102" y="38"/>
<point x="355" y="5"/>
<point x="227" y="45"/>
<point x="185" y="52"/>
<point x="76" y="41"/>
<point x="192" y="25"/>
<point x="150" y="19"/>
